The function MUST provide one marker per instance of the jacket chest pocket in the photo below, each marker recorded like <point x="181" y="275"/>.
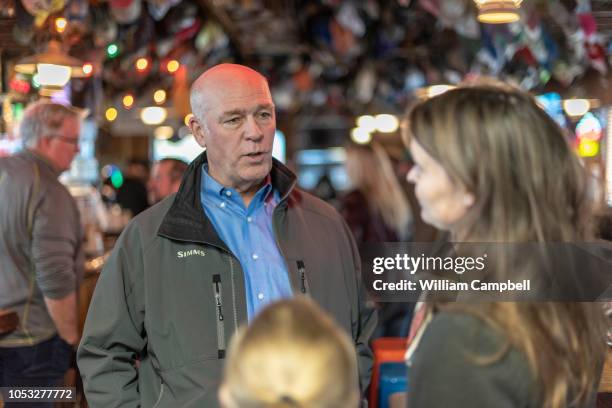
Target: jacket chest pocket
<point x="190" y="313"/>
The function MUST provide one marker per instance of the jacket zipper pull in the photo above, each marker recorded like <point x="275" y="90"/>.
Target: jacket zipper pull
<point x="216" y="281"/>
<point x="302" y="272"/>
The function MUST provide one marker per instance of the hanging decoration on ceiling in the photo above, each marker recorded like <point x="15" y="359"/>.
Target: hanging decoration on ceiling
<point x="41" y="9"/>
<point x="341" y="56"/>
<point x="593" y="43"/>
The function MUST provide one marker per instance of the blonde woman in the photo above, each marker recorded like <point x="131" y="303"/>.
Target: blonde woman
<point x="292" y="355"/>
<point x="377" y="209"/>
<point x="491" y="166"/>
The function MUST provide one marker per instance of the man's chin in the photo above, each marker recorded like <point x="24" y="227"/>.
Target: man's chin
<point x="257" y="173"/>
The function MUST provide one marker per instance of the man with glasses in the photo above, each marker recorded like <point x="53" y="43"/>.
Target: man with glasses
<point x="40" y="249"/>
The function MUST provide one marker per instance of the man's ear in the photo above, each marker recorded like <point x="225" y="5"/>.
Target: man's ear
<point x="43" y="143"/>
<point x="197" y="130"/>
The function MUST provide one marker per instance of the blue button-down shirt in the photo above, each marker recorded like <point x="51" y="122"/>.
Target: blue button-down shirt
<point x="248" y="233"/>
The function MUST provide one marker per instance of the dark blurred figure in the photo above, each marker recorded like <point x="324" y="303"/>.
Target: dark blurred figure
<point x="41" y="253"/>
<point x="377" y="209"/>
<point x="604" y="225"/>
<point x="138" y="169"/>
<point x="325" y="190"/>
<point x="132" y="195"/>
<point x="165" y="178"/>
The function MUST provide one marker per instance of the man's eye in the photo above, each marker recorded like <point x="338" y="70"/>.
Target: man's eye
<point x="232" y="121"/>
<point x="265" y="115"/>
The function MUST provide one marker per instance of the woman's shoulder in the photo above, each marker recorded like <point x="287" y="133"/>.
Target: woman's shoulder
<point x="454" y="328"/>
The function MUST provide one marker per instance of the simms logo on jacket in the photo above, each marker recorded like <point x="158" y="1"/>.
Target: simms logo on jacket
<point x="184" y="254"/>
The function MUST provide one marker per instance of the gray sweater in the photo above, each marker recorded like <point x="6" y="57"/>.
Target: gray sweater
<point x="444" y="373"/>
<point x="40" y="245"/>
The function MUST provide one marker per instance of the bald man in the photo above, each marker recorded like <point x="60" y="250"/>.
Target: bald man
<point x="186" y="273"/>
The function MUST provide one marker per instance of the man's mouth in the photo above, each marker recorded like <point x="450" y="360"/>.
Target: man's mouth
<point x="255" y="154"/>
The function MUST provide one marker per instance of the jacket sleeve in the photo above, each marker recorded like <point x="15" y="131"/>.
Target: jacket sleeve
<point x="114" y="330"/>
<point x="365" y="317"/>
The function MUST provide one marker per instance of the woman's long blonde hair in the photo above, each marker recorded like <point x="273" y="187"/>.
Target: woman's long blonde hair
<point x="370" y="170"/>
<point x="529" y="187"/>
<point x="292" y="355"/>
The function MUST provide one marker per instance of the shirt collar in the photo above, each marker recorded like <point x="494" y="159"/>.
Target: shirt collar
<point x="212" y="188"/>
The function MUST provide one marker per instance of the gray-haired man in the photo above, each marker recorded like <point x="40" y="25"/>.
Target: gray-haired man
<point x="40" y="249"/>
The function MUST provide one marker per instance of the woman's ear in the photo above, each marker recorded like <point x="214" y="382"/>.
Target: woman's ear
<point x="468" y="199"/>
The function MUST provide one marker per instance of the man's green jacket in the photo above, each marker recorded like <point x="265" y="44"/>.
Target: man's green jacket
<point x="172" y="294"/>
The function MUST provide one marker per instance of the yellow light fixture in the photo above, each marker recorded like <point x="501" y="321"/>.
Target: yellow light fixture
<point x="498" y="11"/>
<point x="173" y="66"/>
<point x="159" y="96"/>
<point x="163" y="132"/>
<point x="111" y="114"/>
<point x="52" y="56"/>
<point x="153" y="115"/>
<point x="60" y="24"/>
<point x="142" y="64"/>
<point x="588" y="148"/>
<point x="386" y="123"/>
<point x="361" y="135"/>
<point x="128" y="101"/>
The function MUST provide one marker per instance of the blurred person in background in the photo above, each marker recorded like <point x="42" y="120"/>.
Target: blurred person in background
<point x="41" y="257"/>
<point x="491" y="166"/>
<point x="132" y="194"/>
<point x="291" y="355"/>
<point x="165" y="178"/>
<point x="376" y="209"/>
<point x="138" y="169"/>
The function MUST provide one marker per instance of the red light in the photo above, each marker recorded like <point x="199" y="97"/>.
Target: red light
<point x="20" y="86"/>
<point x="87" y="69"/>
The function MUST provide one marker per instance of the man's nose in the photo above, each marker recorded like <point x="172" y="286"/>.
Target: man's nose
<point x="253" y="130"/>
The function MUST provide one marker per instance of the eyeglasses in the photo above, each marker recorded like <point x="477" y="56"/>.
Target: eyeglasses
<point x="69" y="140"/>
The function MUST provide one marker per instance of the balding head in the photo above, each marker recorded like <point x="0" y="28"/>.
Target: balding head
<point x="217" y="81"/>
<point x="234" y="118"/>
